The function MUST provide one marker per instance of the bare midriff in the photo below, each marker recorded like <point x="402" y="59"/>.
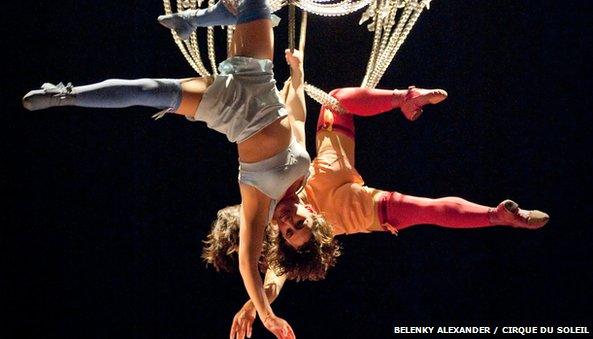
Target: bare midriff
<point x="266" y="143"/>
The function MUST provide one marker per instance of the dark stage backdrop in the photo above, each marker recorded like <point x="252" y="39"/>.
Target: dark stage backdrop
<point x="104" y="210"/>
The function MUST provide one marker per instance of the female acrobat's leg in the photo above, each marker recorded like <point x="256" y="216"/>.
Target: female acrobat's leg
<point x="185" y="23"/>
<point x="399" y="211"/>
<point x="176" y="95"/>
<point x="371" y="101"/>
<point x="253" y="35"/>
<point x="223" y="13"/>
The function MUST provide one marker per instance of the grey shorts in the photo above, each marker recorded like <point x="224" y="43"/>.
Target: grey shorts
<point x="273" y="176"/>
<point x="242" y="100"/>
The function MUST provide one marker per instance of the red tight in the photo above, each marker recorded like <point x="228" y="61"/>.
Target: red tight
<point x="368" y="101"/>
<point x="400" y="211"/>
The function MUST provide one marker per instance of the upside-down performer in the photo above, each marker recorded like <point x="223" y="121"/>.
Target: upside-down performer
<point x="298" y="251"/>
<point x="243" y="103"/>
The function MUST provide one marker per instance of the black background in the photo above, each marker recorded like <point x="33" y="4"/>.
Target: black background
<point x="104" y="210"/>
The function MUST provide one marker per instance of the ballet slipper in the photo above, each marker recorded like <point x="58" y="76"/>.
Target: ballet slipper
<point x="416" y="98"/>
<point x="179" y="22"/>
<point x="509" y="213"/>
<point x="49" y="95"/>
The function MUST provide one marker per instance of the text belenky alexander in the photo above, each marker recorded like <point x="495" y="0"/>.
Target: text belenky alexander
<point x="440" y="329"/>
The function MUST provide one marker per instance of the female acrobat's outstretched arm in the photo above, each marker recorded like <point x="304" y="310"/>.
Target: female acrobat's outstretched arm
<point x="253" y="220"/>
<point x="252" y="38"/>
<point x="294" y="97"/>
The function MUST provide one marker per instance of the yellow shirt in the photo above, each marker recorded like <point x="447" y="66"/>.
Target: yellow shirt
<point x="336" y="190"/>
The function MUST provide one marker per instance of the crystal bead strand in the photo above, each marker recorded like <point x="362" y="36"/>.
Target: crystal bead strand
<point x="388" y="35"/>
<point x="277" y="4"/>
<point x="180" y="44"/>
<point x="416" y="8"/>
<point x="197" y="66"/>
<point x="324" y="98"/>
<point x="374" y="26"/>
<point x="229" y="38"/>
<point x="385" y="56"/>
<point x="374" y="50"/>
<point x="336" y="9"/>
<point x="387" y="13"/>
<point x="211" y="52"/>
<point x="192" y="45"/>
<point x="167" y="7"/>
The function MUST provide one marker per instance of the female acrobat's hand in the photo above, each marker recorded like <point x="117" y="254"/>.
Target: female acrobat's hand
<point x="279" y="327"/>
<point x="294" y="59"/>
<point x="243" y="322"/>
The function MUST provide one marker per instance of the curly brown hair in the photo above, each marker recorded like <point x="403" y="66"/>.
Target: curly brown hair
<point x="310" y="261"/>
<point x="222" y="243"/>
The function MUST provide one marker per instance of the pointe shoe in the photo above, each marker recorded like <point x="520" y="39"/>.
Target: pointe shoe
<point x="416" y="98"/>
<point x="179" y="22"/>
<point x="49" y="95"/>
<point x="509" y="213"/>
